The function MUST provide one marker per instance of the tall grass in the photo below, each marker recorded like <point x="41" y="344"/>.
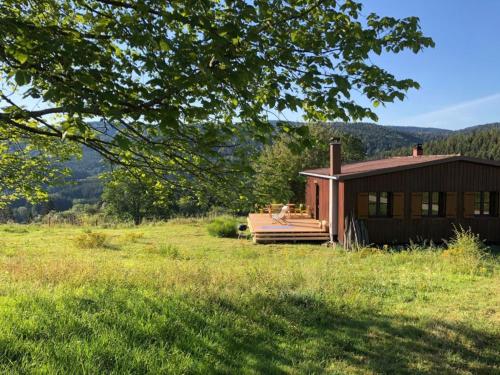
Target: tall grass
<point x="173" y="299"/>
<point x="467" y="254"/>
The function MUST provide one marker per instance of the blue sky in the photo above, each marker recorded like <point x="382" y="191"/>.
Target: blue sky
<point x="460" y="77"/>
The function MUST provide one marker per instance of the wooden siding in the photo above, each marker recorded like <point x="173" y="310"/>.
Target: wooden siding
<point x="323" y="196"/>
<point x="459" y="177"/>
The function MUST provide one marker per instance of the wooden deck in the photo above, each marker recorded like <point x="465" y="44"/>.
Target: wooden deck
<point x="298" y="228"/>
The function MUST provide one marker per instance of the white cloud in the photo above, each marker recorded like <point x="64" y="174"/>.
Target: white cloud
<point x="473" y="112"/>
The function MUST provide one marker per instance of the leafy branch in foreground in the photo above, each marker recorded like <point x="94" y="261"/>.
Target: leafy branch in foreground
<point x="184" y="89"/>
<point x="29" y="165"/>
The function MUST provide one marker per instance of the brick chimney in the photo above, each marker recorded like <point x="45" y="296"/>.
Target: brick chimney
<point x="334" y="156"/>
<point x="418" y="150"/>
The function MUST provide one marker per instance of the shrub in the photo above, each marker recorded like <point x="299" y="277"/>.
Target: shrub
<point x="169" y="251"/>
<point x="91" y="240"/>
<point x="467" y="253"/>
<point x="223" y="226"/>
<point x="132" y="237"/>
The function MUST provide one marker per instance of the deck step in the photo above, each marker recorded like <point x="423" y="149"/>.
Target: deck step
<point x="279" y="239"/>
<point x="263" y="229"/>
<point x="276" y="237"/>
<point x="290" y="234"/>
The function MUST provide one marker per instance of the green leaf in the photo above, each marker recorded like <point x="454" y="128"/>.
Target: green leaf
<point x="164" y="46"/>
<point x="21" y="57"/>
<point x="22" y="78"/>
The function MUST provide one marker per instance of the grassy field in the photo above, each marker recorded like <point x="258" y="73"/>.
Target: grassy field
<point x="171" y="299"/>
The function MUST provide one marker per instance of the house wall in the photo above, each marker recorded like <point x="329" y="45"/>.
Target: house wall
<point x="323" y="184"/>
<point x="459" y="176"/>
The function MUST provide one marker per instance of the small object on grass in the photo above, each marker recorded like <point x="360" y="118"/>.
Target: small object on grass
<point x="241" y="231"/>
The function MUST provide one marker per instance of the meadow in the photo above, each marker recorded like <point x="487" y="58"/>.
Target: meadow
<point x="169" y="298"/>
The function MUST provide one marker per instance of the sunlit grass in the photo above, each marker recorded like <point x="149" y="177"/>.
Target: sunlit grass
<point x="169" y="298"/>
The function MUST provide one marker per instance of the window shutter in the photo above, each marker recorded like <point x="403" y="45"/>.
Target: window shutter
<point x="416" y="205"/>
<point x="451" y="204"/>
<point x="398" y="205"/>
<point x="469" y="204"/>
<point x="362" y="205"/>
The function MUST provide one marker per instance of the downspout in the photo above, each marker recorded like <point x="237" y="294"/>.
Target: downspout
<point x="335" y="169"/>
<point x="334" y="210"/>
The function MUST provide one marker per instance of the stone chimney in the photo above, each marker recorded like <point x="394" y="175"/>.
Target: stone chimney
<point x="335" y="156"/>
<point x="418" y="150"/>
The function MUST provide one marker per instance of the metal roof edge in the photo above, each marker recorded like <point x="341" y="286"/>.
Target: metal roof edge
<point x="328" y="177"/>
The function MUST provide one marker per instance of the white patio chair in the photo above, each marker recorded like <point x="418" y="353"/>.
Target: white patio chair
<point x="281" y="217"/>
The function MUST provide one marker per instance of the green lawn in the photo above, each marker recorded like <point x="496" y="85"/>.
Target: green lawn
<point x="171" y="299"/>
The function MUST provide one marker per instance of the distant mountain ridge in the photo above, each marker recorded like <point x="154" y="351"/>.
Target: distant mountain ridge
<point x="481" y="141"/>
<point x="380" y="138"/>
<point x="492" y="125"/>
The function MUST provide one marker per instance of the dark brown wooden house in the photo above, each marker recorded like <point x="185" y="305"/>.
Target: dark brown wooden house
<point x="407" y="198"/>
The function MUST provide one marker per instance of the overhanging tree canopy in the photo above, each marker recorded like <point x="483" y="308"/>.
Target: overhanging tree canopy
<point x="29" y="164"/>
<point x="180" y="84"/>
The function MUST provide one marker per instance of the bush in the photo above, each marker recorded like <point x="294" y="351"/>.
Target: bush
<point x="132" y="237"/>
<point x="91" y="240"/>
<point x="466" y="253"/>
<point x="223" y="226"/>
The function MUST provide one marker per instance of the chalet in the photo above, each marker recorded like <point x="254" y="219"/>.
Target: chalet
<point x="411" y="197"/>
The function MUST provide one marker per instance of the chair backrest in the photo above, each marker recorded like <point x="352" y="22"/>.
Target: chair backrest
<point x="275" y="208"/>
<point x="283" y="211"/>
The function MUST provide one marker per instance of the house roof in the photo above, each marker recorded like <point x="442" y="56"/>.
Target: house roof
<point x="382" y="166"/>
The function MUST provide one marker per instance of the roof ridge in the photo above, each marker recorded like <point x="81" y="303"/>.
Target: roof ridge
<point x="403" y="157"/>
<point x="421" y="156"/>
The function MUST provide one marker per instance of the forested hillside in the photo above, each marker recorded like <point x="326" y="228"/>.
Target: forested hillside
<point x="479" y="141"/>
<point x="84" y="185"/>
<point x="380" y="138"/>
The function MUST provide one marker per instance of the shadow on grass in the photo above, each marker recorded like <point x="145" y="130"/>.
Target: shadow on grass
<point x="258" y="334"/>
<point x="298" y="332"/>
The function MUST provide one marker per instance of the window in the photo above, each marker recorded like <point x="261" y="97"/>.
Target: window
<point x="380" y="204"/>
<point x="485" y="203"/>
<point x="432" y="204"/>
